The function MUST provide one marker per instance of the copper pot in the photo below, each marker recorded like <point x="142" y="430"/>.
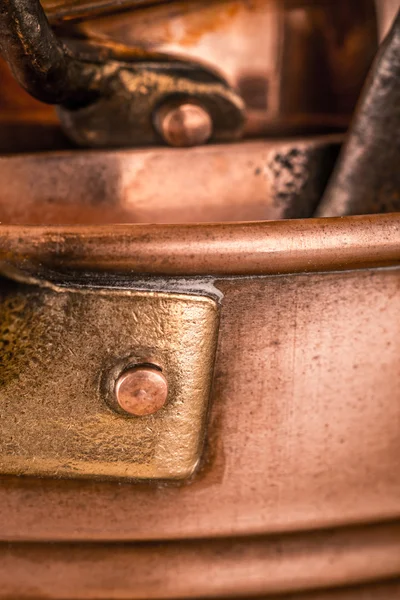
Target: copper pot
<point x="278" y="340"/>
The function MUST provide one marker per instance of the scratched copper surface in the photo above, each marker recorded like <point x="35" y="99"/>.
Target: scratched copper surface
<point x="303" y="431"/>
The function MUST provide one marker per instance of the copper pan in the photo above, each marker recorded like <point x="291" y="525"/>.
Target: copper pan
<point x="298" y="489"/>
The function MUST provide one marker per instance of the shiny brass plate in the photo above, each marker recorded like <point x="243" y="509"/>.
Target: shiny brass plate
<point x="60" y="354"/>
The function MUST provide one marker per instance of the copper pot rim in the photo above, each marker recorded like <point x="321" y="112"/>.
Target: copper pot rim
<point x="229" y="249"/>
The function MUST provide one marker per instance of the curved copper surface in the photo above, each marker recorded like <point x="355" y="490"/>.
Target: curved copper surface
<point x="387" y="10"/>
<point x="227" y="568"/>
<point x="210" y="249"/>
<point x="253" y="180"/>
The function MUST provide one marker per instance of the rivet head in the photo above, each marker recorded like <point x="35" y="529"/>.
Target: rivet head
<point x="141" y="391"/>
<point x="184" y="124"/>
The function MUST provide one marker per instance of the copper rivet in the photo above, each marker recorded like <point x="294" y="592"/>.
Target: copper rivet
<point x="184" y="124"/>
<point x="141" y="391"/>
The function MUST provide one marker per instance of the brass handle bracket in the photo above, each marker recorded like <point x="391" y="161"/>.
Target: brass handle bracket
<point x="75" y="362"/>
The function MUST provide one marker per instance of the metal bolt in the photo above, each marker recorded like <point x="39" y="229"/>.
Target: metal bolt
<point x="184" y="124"/>
<point x="141" y="391"/>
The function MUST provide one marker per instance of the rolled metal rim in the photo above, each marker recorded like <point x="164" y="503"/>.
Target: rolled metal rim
<point x="232" y="249"/>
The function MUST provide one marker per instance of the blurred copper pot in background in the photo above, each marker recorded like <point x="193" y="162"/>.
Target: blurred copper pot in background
<point x="298" y="65"/>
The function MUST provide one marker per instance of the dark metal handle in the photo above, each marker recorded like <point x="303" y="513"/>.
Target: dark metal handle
<point x="367" y="176"/>
<point x="39" y="61"/>
<point x="106" y="107"/>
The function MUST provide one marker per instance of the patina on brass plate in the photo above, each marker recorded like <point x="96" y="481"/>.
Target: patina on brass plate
<point x="61" y="352"/>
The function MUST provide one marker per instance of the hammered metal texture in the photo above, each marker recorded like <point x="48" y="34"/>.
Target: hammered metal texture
<point x="60" y="354"/>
